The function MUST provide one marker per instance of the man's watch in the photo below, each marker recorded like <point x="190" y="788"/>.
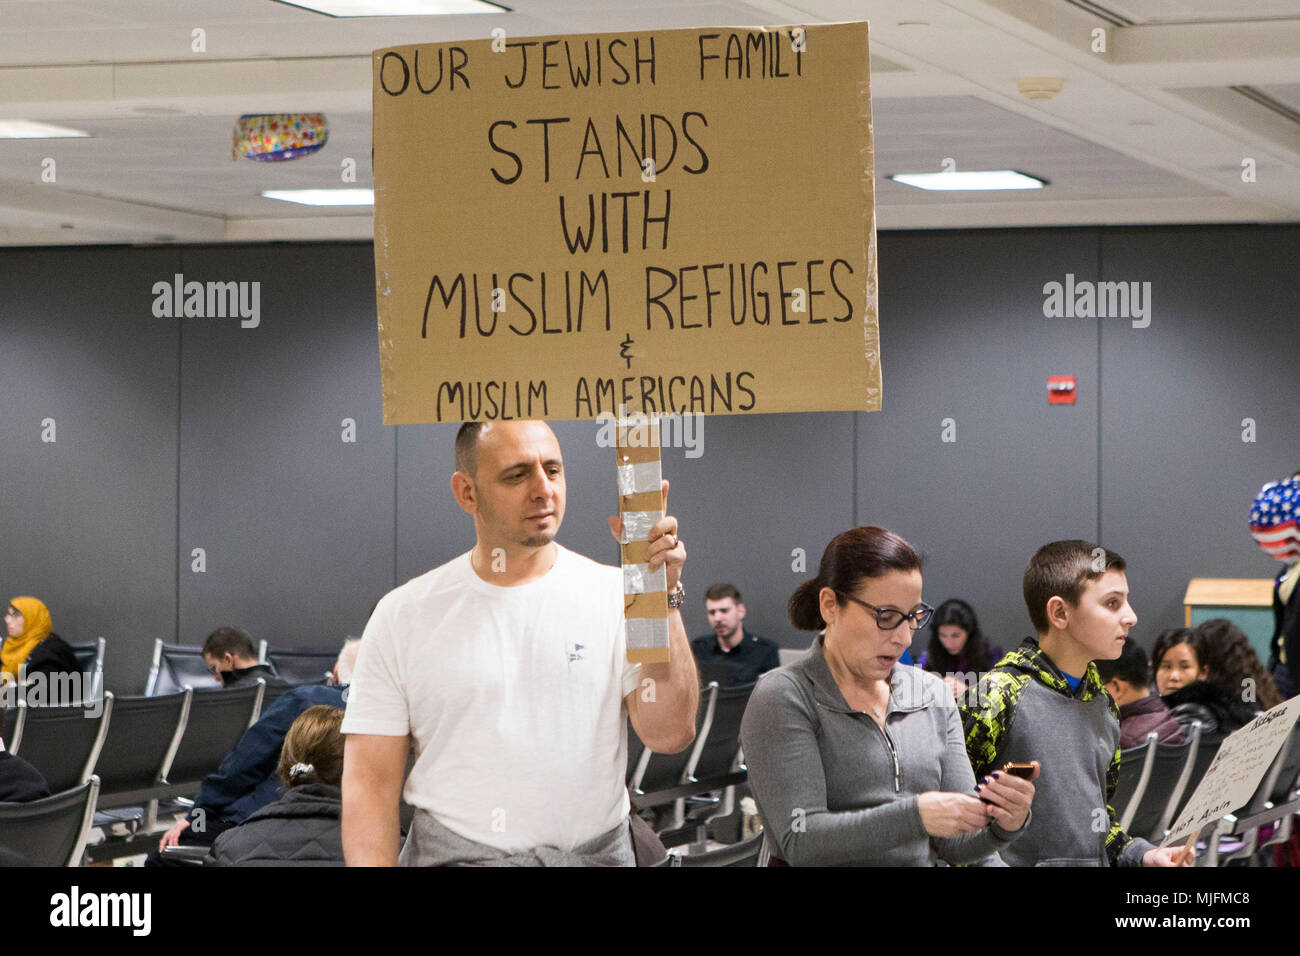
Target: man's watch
<point x="677" y="596"/>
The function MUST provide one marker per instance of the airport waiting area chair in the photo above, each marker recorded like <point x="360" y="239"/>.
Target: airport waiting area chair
<point x="788" y="655"/>
<point x="51" y="831"/>
<point x="718" y="757"/>
<point x="142" y="739"/>
<point x="215" y="721"/>
<point x="711" y="763"/>
<point x="175" y="667"/>
<point x="62" y="742"/>
<point x="1152" y="781"/>
<point x="304" y="666"/>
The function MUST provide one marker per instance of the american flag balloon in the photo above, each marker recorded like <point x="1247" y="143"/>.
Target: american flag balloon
<point x="1273" y="519"/>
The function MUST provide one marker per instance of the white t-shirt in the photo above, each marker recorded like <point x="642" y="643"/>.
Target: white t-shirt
<point x="514" y="696"/>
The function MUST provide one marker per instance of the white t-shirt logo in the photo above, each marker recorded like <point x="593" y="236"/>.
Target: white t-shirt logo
<point x="574" y="655"/>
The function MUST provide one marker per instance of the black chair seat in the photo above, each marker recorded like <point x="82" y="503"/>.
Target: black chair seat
<point x="51" y="831"/>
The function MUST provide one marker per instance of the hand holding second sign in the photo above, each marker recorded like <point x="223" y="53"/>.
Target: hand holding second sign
<point x="666" y="548"/>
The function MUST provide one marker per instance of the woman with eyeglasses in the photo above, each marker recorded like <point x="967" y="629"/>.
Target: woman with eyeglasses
<point x="854" y="758"/>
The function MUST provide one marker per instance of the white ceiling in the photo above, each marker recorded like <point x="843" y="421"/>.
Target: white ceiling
<point x="1154" y="129"/>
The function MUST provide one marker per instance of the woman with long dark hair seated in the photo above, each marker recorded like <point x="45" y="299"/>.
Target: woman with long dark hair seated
<point x="854" y="758"/>
<point x="958" y="647"/>
<point x="1212" y="674"/>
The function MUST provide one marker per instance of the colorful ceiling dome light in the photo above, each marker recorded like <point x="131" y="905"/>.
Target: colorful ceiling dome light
<point x="271" y="137"/>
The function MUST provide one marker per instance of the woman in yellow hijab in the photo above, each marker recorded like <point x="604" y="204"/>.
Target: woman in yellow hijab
<point x="27" y="622"/>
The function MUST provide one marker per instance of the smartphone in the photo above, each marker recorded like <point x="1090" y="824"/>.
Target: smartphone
<point x="1022" y="770"/>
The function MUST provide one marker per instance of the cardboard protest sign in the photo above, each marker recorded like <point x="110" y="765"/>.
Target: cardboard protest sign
<point x="677" y="221"/>
<point x="1237" y="768"/>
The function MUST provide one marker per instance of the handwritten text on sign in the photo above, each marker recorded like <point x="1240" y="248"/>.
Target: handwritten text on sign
<point x="676" y="221"/>
<point x="1238" y="766"/>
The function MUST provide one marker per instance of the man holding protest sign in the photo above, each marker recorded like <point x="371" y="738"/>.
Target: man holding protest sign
<point x="508" y="667"/>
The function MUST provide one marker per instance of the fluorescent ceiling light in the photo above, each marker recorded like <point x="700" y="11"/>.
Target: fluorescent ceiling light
<point x="981" y="179"/>
<point x="395" y="8"/>
<point x="26" y="129"/>
<point x="323" y="197"/>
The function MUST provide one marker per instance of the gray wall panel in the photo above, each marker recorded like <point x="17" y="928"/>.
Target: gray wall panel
<point x="963" y="336"/>
<point x="90" y="520"/>
<point x="1177" y="478"/>
<point x="304" y="532"/>
<point x="297" y="524"/>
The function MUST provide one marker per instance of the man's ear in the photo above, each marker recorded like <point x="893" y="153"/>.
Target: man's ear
<point x="462" y="487"/>
<point x="1058" y="612"/>
<point x="740" y="612"/>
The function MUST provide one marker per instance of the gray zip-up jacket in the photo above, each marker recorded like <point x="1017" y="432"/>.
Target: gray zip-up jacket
<point x="833" y="789"/>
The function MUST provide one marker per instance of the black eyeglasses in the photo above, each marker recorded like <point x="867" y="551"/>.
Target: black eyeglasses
<point x="888" y="618"/>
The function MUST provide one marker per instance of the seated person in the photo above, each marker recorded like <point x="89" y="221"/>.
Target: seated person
<point x="1181" y="657"/>
<point x="20" y="782"/>
<point x="246" y="781"/>
<point x="856" y="759"/>
<point x="302" y="827"/>
<point x="232" y="658"/>
<point x="1234" y="665"/>
<point x="1140" y="711"/>
<point x="31" y="639"/>
<point x="731" y="655"/>
<point x="958" y="650"/>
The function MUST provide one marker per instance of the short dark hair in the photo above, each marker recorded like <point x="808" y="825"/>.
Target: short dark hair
<point x="229" y="640"/>
<point x="718" y="592"/>
<point x="467" y="447"/>
<point x="1059" y="569"/>
<point x="852" y="557"/>
<point x="1131" y="666"/>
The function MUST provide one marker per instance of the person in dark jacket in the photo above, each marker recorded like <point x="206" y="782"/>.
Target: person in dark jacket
<point x="302" y="828"/>
<point x="1140" y="711"/>
<point x="1197" y="674"/>
<point x="31" y="640"/>
<point x="247" y="780"/>
<point x="20" y="782"/>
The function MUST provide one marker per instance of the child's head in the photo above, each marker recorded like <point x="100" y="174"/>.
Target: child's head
<point x="1179" y="659"/>
<point x="1127" y="675"/>
<point x="1078" y="590"/>
<point x="313" y="748"/>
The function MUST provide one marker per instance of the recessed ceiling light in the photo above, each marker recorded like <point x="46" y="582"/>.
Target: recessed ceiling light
<point x="975" y="179"/>
<point x="395" y="8"/>
<point x="26" y="129"/>
<point x="323" y="197"/>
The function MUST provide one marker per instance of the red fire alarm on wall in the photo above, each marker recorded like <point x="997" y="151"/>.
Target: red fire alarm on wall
<point x="1060" y="389"/>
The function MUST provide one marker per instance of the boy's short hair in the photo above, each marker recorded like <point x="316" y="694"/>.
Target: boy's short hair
<point x="1060" y="569"/>
<point x="229" y="640"/>
<point x="1131" y="666"/>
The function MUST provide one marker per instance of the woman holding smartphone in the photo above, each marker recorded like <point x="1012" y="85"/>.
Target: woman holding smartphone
<point x="855" y="759"/>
